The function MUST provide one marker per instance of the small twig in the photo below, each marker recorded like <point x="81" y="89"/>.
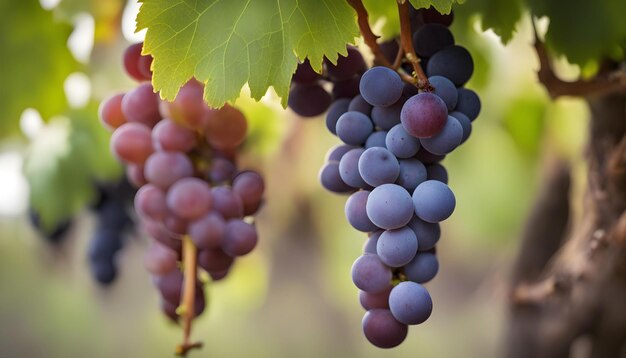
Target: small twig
<point x="187" y="308"/>
<point x="406" y="41"/>
<point x="398" y="61"/>
<point x="556" y="87"/>
<point x="370" y="38"/>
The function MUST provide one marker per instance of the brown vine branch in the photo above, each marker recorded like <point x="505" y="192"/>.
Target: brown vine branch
<point x="190" y="254"/>
<point x="398" y="61"/>
<point x="406" y="41"/>
<point x="603" y="83"/>
<point x="370" y="38"/>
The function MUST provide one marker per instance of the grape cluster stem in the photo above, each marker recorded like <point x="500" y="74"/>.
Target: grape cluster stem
<point x="190" y="255"/>
<point x="406" y="42"/>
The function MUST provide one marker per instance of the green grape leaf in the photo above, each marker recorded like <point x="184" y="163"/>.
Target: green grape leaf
<point x="35" y="62"/>
<point x="502" y="17"/>
<point x="584" y="31"/>
<point x="443" y="6"/>
<point x="226" y="43"/>
<point x="62" y="164"/>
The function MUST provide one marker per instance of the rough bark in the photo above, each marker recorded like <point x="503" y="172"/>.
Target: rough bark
<point x="559" y="294"/>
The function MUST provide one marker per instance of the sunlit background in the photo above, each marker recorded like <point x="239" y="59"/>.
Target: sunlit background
<point x="293" y="296"/>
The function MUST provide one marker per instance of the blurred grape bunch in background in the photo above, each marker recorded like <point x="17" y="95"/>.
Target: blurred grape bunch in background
<point x="61" y="59"/>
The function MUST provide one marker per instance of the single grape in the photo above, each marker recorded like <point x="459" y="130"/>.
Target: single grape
<point x="359" y="104"/>
<point x="158" y="232"/>
<point x="213" y="260"/>
<point x="370" y="274"/>
<point x="386" y="118"/>
<point x="349" y="168"/>
<point x="354" y="127"/>
<point x="376" y="139"/>
<point x="188" y="108"/>
<point x="132" y="143"/>
<point x="134" y="175"/>
<point x="168" y="135"/>
<point x="104" y="244"/>
<point x="170" y="285"/>
<point x="410" y="303"/>
<point x="239" y="238"/>
<point x="412" y="173"/>
<point x="437" y="171"/>
<point x="225" y="128"/>
<point x="378" y="166"/>
<point x="389" y="49"/>
<point x="389" y="206"/>
<point x="221" y="170"/>
<point x="141" y="105"/>
<point x="427" y="234"/>
<point x="445" y="89"/>
<point x="160" y="259"/>
<point x="374" y="300"/>
<point x="446" y="140"/>
<point x="454" y="63"/>
<point x="305" y="73"/>
<point x="382" y="329"/>
<point x="336" y="153"/>
<point x="335" y="111"/>
<point x="431" y="38"/>
<point x="468" y="103"/>
<point x="466" y="124"/>
<point x="189" y="198"/>
<point x="309" y="100"/>
<point x="176" y="226"/>
<point x="226" y="202"/>
<point x="110" y="111"/>
<point x="347" y="88"/>
<point x="355" y="212"/>
<point x="401" y="143"/>
<point x="164" y="168"/>
<point x="347" y="66"/>
<point x="103" y="270"/>
<point x="422" y="268"/>
<point x="206" y="232"/>
<point x="150" y="202"/>
<point x="433" y="200"/>
<point x="424" y="115"/>
<point x="427" y="157"/>
<point x="381" y="86"/>
<point x="249" y="185"/>
<point x="331" y="179"/>
<point x="396" y="248"/>
<point x="370" y="244"/>
<point x="132" y="60"/>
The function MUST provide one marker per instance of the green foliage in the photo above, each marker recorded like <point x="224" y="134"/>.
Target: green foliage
<point x="500" y="16"/>
<point x="227" y="43"/>
<point x="35" y="62"/>
<point x="525" y="119"/>
<point x="443" y="6"/>
<point x="584" y="31"/>
<point x="64" y="160"/>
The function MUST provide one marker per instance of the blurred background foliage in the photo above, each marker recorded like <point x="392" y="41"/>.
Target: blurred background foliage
<point x="293" y="296"/>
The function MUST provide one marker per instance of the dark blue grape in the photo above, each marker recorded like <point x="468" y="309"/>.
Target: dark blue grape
<point x="356" y="214"/>
<point x="378" y="166"/>
<point x="424" y="115"/>
<point x="454" y="63"/>
<point x="430" y="16"/>
<point x="305" y="73"/>
<point x="331" y="180"/>
<point x="410" y="303"/>
<point x="387" y="117"/>
<point x="390" y="49"/>
<point x="104" y="270"/>
<point x="433" y="200"/>
<point x="347" y="66"/>
<point x="412" y="173"/>
<point x="389" y="206"/>
<point x="382" y="329"/>
<point x="431" y="38"/>
<point x="376" y="139"/>
<point x="335" y="111"/>
<point x="397" y="247"/>
<point x="445" y="89"/>
<point x="427" y="157"/>
<point x="427" y="234"/>
<point x="354" y="128"/>
<point x="349" y="168"/>
<point x="381" y="86"/>
<point x="370" y="274"/>
<point x="347" y="88"/>
<point x="465" y="123"/>
<point x="445" y="141"/>
<point x="360" y="105"/>
<point x="468" y="103"/>
<point x="436" y="171"/>
<point x="401" y="143"/>
<point x="422" y="268"/>
<point x="308" y="100"/>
